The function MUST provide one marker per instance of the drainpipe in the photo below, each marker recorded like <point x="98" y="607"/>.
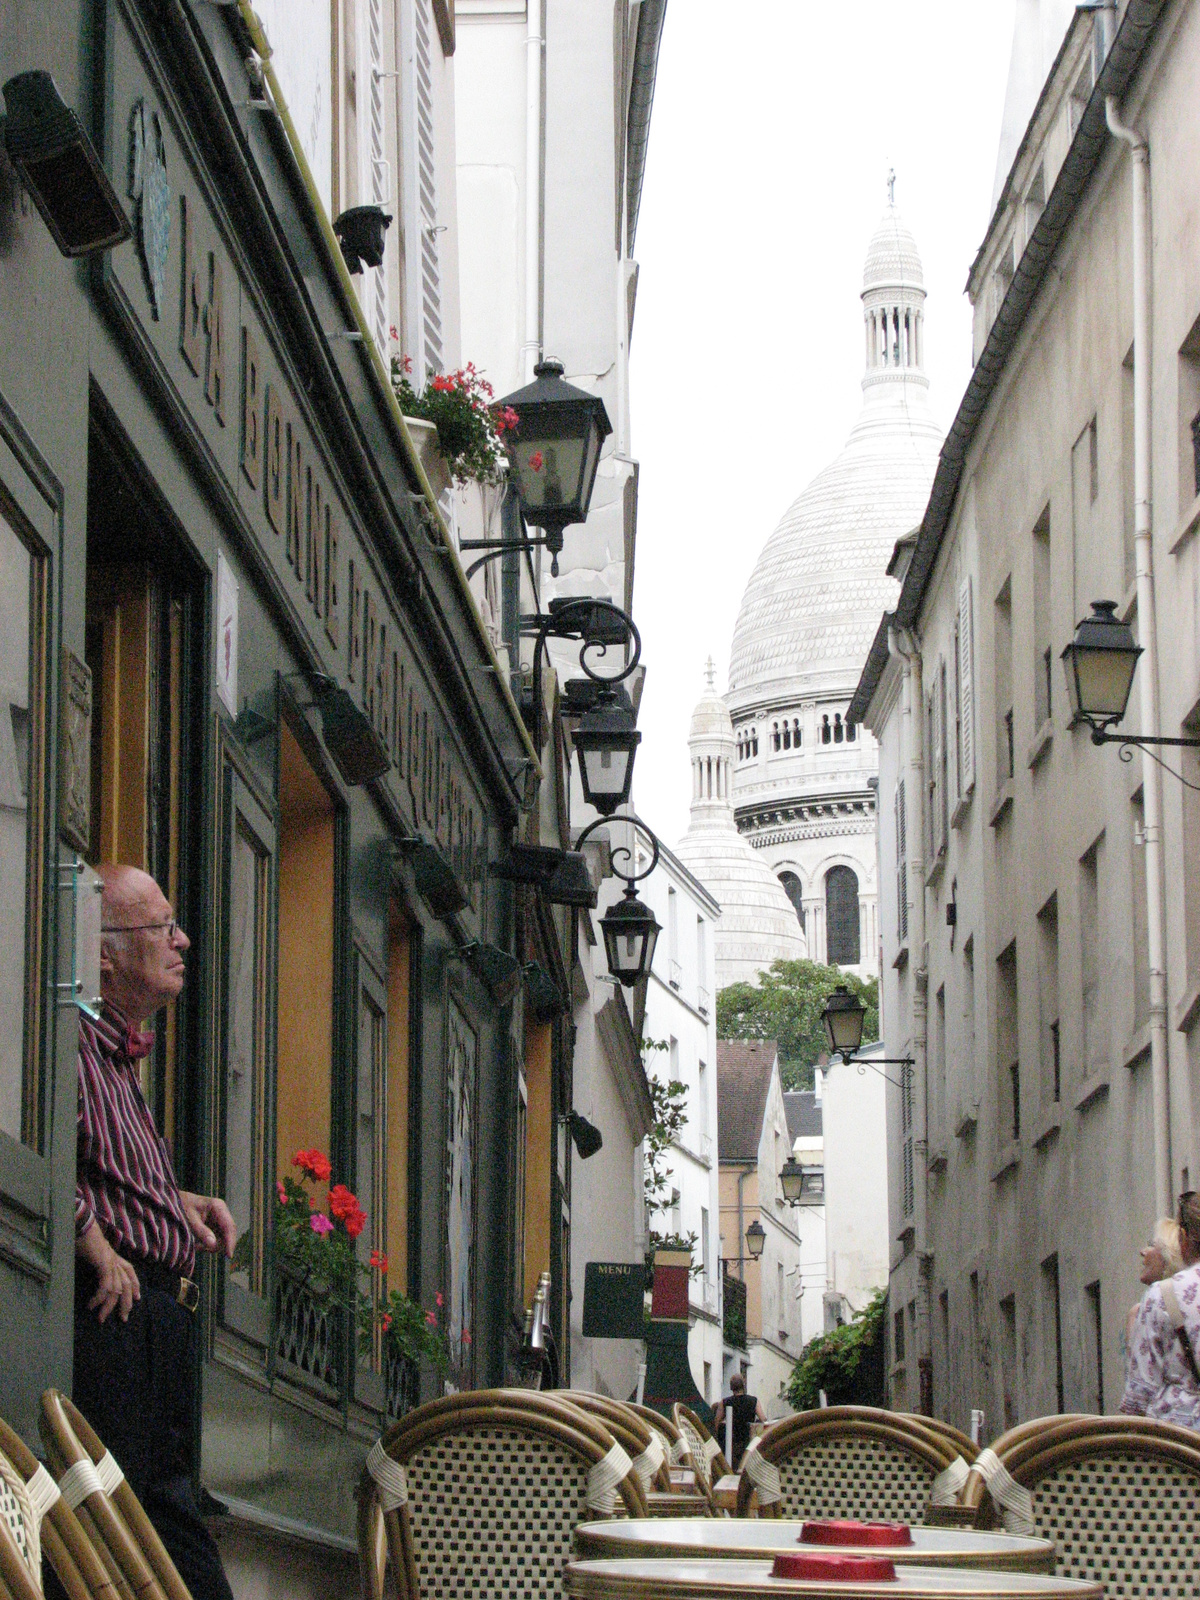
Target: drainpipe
<point x="903" y="644"/>
<point x="531" y="349"/>
<point x="1150" y="713"/>
<point x="741" y="1227"/>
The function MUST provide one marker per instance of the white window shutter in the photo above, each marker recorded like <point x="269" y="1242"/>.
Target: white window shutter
<point x="901" y="864"/>
<point x="942" y="779"/>
<point x="378" y="168"/>
<point x="966" y="678"/>
<point x="421" y="226"/>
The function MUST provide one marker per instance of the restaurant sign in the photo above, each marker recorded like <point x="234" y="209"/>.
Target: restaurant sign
<point x="614" y="1300"/>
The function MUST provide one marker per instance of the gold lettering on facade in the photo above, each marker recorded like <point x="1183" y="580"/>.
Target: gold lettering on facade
<point x="192" y="302"/>
<point x="370" y="628"/>
<point x="276" y="447"/>
<point x="330" y="605"/>
<point x="297" y="500"/>
<point x="214" y="327"/>
<point x="251" y="433"/>
<point x="355" y="662"/>
<point x="314" y="548"/>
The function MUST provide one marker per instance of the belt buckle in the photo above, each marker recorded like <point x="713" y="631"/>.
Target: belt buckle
<point x="189" y="1293"/>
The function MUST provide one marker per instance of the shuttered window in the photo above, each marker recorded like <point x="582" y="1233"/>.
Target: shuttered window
<point x="901" y="863"/>
<point x="965" y="693"/>
<point x="906" y="1130"/>
<point x="421" y="228"/>
<point x="379" y="170"/>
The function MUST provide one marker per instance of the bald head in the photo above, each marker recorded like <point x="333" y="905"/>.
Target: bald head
<point x="141" y="951"/>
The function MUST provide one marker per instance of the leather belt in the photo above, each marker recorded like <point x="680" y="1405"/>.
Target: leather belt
<point x="184" y="1291"/>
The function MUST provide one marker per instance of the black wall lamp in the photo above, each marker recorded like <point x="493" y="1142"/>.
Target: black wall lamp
<point x="356" y="749"/>
<point x="630" y="929"/>
<point x="561" y="875"/>
<point x="585" y="1135"/>
<point x="499" y="972"/>
<point x="59" y="166"/>
<point x="756" y="1238"/>
<point x="435" y="879"/>
<point x="360" y="232"/>
<point x="801" y="1185"/>
<point x="1100" y="662"/>
<point x="842" y="1019"/>
<point x="546" y="999"/>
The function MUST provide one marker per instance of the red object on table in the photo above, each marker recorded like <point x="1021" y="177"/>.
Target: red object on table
<point x="847" y="1530"/>
<point x="822" y="1566"/>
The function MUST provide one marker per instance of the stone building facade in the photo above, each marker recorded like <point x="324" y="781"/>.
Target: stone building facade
<point x="1048" y="1118"/>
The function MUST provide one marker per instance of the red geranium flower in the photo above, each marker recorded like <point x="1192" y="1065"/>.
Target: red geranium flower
<point x="431" y="1318"/>
<point x="355" y="1222"/>
<point x="281" y="1191"/>
<point x="379" y="1260"/>
<point x="535" y="461"/>
<point x="342" y="1203"/>
<point x="385" y="1321"/>
<point x="314" y="1163"/>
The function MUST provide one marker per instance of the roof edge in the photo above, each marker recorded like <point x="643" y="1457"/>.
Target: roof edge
<point x="877" y="660"/>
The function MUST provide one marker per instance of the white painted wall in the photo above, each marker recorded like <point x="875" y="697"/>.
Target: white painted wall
<point x="853" y="1104"/>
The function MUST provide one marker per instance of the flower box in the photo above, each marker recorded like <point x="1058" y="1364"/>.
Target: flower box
<point x="424" y="436"/>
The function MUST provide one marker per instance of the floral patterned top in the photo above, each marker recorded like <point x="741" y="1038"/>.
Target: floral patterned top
<point x="1158" y="1382"/>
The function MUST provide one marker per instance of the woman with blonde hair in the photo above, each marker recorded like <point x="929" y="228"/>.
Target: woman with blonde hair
<point x="1163" y="1376"/>
<point x="1161" y="1258"/>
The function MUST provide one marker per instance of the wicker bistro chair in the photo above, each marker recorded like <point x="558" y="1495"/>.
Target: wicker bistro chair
<point x="703" y="1454"/>
<point x="648" y="1450"/>
<point x="480" y="1493"/>
<point x="1120" y="1497"/>
<point x="849" y="1461"/>
<point x="110" y="1514"/>
<point x="36" y="1523"/>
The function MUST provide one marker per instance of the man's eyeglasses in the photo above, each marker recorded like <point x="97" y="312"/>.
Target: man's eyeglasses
<point x="171" y="928"/>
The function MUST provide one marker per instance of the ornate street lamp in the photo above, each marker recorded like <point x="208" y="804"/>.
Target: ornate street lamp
<point x="843" y="1021"/>
<point x="756" y="1238"/>
<point x="1100" y="662"/>
<point x="801" y="1185"/>
<point x="630" y="928"/>
<point x="554" y="450"/>
<point x="58" y="164"/>
<point x="606" y="741"/>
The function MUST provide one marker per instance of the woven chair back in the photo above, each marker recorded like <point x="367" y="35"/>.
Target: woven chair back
<point x="963" y="1444"/>
<point x="707" y="1459"/>
<point x="1119" y="1496"/>
<point x="492" y="1486"/>
<point x="845" y="1461"/>
<point x="109" y="1512"/>
<point x="36" y="1525"/>
<point x="676" y="1445"/>
<point x="632" y="1432"/>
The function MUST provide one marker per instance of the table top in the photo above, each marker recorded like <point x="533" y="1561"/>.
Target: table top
<point x="638" y="1579"/>
<point x="747" y="1538"/>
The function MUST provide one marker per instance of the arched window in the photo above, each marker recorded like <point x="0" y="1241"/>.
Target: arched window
<point x="851" y="732"/>
<point x="753" y="741"/>
<point x="826" y="731"/>
<point x="796" y="732"/>
<point x="787" y="735"/>
<point x="795" y="893"/>
<point x="774" y="736"/>
<point x="841" y="916"/>
<point x="839" y="733"/>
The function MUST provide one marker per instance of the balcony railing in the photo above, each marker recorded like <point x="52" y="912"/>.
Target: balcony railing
<point x="703" y="1001"/>
<point x="706" y="1149"/>
<point x="674" y="973"/>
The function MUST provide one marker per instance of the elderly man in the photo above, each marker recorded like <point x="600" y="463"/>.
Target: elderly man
<point x="137" y="1233"/>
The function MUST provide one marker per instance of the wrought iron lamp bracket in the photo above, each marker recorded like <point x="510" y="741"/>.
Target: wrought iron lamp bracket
<point x="623" y="850"/>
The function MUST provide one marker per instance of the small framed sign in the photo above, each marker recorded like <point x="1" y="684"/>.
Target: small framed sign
<point x="227" y="636"/>
<point x="614" y="1294"/>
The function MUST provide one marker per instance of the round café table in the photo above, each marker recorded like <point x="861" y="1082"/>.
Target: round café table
<point x="636" y="1579"/>
<point x="750" y="1539"/>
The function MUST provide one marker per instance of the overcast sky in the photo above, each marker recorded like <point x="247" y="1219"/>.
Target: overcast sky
<point x="773" y="130"/>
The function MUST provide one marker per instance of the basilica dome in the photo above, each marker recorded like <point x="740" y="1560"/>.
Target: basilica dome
<point x="758" y="924"/>
<point x="816" y="595"/>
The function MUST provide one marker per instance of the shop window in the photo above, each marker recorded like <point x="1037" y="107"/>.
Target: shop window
<point x="24" y="621"/>
<point x="370" y="1156"/>
<point x="401" y="1091"/>
<point x="841" y="916"/>
<point x="245" y="1053"/>
<point x="520" y="1147"/>
<point x="539" y="1156"/>
<point x="307" y="848"/>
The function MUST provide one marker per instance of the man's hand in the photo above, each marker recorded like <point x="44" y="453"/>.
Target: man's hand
<point x="117" y="1281"/>
<point x="211" y="1222"/>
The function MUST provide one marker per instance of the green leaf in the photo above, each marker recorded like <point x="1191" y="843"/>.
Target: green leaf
<point x="786" y="1006"/>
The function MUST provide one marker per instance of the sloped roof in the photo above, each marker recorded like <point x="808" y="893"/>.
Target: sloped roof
<point x="743" y="1079"/>
<point x="803" y="1111"/>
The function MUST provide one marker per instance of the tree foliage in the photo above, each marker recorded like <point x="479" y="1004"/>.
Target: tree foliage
<point x="846" y="1362"/>
<point x="786" y="1006"/>
<point x="669" y="1100"/>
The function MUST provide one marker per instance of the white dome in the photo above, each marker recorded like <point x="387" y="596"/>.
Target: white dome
<point x="892" y="258"/>
<point x="814" y="600"/>
<point x="757" y="924"/>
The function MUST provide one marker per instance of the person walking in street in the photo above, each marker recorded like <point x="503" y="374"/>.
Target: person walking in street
<point x="1163" y="1375"/>
<point x="1161" y="1258"/>
<point x="745" y="1410"/>
<point x="137" y="1233"/>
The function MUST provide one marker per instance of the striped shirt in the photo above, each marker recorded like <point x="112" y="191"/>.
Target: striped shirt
<point x="124" y="1179"/>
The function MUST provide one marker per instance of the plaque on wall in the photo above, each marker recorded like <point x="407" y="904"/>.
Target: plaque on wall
<point x="75" y="753"/>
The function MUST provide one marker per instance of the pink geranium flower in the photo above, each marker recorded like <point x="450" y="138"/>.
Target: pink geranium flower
<point x="320" y="1223"/>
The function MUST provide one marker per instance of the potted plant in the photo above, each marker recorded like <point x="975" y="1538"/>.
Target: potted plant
<point x="455" y="424"/>
<point x="316" y="1250"/>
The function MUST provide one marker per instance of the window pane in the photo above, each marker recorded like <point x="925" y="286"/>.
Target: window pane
<point x="16" y="598"/>
<point x="841" y="916"/>
<point x="245" y="1065"/>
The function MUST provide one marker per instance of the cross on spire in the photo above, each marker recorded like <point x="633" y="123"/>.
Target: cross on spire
<point x="891" y="183"/>
<point x="710" y="674"/>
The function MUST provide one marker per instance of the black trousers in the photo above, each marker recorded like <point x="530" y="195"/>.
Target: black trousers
<point x="134" y="1384"/>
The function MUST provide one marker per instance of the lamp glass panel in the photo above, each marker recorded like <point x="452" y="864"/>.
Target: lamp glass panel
<point x="549" y="471"/>
<point x="1105" y="679"/>
<point x="843" y="1029"/>
<point x="605" y="770"/>
<point x="791" y="1180"/>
